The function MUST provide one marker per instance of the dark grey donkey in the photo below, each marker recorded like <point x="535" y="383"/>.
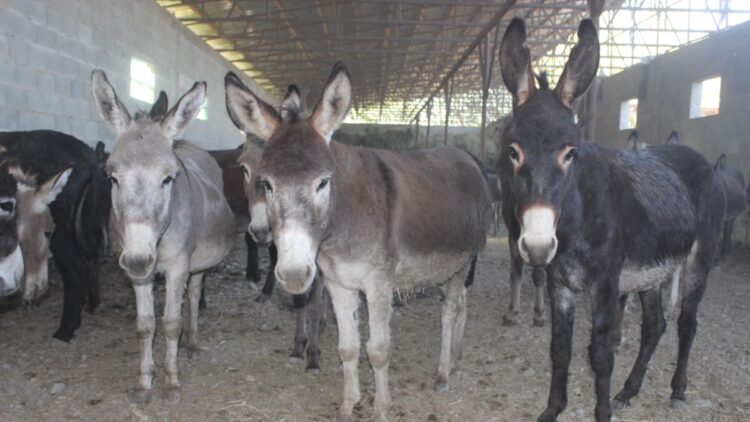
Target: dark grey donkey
<point x="734" y="189"/>
<point x="169" y="215"/>
<point x="602" y="221"/>
<point x="311" y="306"/>
<point x="371" y="220"/>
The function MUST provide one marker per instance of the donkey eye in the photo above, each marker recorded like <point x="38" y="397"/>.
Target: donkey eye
<point x="513" y="154"/>
<point x="7" y="206"/>
<point x="113" y="180"/>
<point x="267" y="186"/>
<point x="167" y="180"/>
<point x="571" y="154"/>
<point x="323" y="184"/>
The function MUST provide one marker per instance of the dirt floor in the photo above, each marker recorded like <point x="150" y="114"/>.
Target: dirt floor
<point x="244" y="372"/>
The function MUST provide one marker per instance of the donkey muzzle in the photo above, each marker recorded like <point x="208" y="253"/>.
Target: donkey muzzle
<point x="537" y="243"/>
<point x="138" y="266"/>
<point x="537" y="252"/>
<point x="295" y="280"/>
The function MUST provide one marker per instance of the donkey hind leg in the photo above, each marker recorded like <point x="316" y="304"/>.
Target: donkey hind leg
<point x="300" y="329"/>
<point x="267" y="290"/>
<point x="345" y="305"/>
<point x="195" y="294"/>
<point x="315" y="311"/>
<point x="145" y="327"/>
<point x="538" y="275"/>
<point x="622" y="305"/>
<point x="453" y="322"/>
<point x="653" y="325"/>
<point x="75" y="287"/>
<point x="694" y="275"/>
<point x="94" y="298"/>
<point x="516" y="278"/>
<point x="379" y="299"/>
<point x="177" y="279"/>
<point x="252" y="270"/>
<point x="726" y="239"/>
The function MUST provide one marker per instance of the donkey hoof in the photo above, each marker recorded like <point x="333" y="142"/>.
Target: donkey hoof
<point x="547" y="416"/>
<point x="172" y="395"/>
<point x="296" y="359"/>
<point x="192" y="350"/>
<point x="262" y="298"/>
<point x="510" y="320"/>
<point x="315" y="370"/>
<point x="538" y="321"/>
<point x="678" y="404"/>
<point x="442" y="386"/>
<point x="141" y="396"/>
<point x="619" y="405"/>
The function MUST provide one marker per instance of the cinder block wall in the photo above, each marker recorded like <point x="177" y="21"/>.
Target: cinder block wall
<point x="48" y="49"/>
<point x="663" y="89"/>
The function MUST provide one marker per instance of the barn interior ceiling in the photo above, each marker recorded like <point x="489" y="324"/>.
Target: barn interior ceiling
<point x="406" y="55"/>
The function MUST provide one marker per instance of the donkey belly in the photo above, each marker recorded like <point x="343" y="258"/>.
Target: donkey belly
<point x="414" y="269"/>
<point x="637" y="279"/>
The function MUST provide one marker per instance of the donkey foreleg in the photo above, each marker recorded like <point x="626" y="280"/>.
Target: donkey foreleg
<point x="172" y="319"/>
<point x="345" y="304"/>
<point x="145" y="326"/>
<point x="301" y="303"/>
<point x="563" y="311"/>
<point x="538" y="275"/>
<point x="315" y="311"/>
<point x="516" y="277"/>
<point x="379" y="297"/>
<point x="604" y="297"/>
<point x="195" y="293"/>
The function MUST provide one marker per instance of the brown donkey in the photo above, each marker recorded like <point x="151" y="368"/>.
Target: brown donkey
<point x="372" y="220"/>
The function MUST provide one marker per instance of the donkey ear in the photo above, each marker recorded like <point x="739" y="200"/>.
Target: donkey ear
<point x="160" y="107"/>
<point x="248" y="112"/>
<point x="674" y="138"/>
<point x="331" y="110"/>
<point x="581" y="66"/>
<point x="292" y="103"/>
<point x="100" y="152"/>
<point x="721" y="162"/>
<point x="112" y="111"/>
<point x="180" y="116"/>
<point x="49" y="190"/>
<point x="515" y="63"/>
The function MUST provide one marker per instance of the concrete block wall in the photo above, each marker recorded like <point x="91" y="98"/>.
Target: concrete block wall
<point x="664" y="100"/>
<point x="48" y="49"/>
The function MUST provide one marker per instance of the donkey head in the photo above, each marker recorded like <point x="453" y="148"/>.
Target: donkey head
<point x="297" y="169"/>
<point x="537" y="164"/>
<point x="143" y="168"/>
<point x="34" y="224"/>
<point x="11" y="258"/>
<point x="249" y="160"/>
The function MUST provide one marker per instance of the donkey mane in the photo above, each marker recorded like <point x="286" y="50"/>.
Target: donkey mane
<point x="542" y="79"/>
<point x="143" y="115"/>
<point x="293" y="105"/>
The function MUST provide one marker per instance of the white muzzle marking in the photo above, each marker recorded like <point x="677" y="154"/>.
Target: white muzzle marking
<point x="296" y="267"/>
<point x="259" y="228"/>
<point x="11" y="272"/>
<point x="537" y="243"/>
<point x="138" y="241"/>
